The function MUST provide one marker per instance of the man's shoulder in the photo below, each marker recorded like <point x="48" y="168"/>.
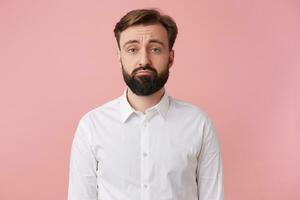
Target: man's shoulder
<point x="186" y="108"/>
<point x="110" y="107"/>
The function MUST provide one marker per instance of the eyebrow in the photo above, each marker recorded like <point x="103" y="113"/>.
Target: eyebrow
<point x="150" y="41"/>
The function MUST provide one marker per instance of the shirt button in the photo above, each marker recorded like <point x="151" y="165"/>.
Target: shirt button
<point x="145" y="154"/>
<point x="145" y="186"/>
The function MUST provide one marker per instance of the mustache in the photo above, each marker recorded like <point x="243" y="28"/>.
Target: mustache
<point x="145" y="67"/>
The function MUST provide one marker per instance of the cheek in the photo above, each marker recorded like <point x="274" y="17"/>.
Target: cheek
<point x="161" y="63"/>
<point x="128" y="61"/>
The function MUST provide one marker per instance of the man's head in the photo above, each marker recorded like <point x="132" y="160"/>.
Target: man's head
<point x="145" y="40"/>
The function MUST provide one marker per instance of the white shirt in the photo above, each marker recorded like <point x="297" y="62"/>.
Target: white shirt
<point x="169" y="153"/>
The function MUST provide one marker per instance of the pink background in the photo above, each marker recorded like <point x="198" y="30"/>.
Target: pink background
<point x="238" y="60"/>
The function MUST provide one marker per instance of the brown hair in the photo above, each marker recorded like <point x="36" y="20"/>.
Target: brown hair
<point x="147" y="17"/>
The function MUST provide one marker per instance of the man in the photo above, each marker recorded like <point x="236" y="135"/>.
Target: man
<point x="145" y="145"/>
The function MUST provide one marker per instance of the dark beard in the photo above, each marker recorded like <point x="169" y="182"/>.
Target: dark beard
<point x="144" y="85"/>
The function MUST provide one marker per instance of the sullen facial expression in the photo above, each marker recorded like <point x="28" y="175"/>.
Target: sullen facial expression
<point x="144" y="50"/>
<point x="142" y="45"/>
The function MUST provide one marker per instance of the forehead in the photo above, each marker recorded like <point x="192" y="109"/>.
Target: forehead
<point x="142" y="33"/>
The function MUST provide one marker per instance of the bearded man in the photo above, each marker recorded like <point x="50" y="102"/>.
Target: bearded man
<point x="145" y="145"/>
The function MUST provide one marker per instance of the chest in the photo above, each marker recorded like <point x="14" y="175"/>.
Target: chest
<point x="125" y="151"/>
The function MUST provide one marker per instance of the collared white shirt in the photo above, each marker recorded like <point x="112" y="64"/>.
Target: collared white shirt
<point x="170" y="152"/>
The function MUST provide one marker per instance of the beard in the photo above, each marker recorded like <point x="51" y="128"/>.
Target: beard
<point x="146" y="84"/>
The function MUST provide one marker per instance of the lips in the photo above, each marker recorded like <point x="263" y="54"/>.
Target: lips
<point x="144" y="72"/>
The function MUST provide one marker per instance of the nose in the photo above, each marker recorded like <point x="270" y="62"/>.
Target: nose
<point x="144" y="58"/>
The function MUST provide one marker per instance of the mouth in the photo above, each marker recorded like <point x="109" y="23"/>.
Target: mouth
<point x="144" y="72"/>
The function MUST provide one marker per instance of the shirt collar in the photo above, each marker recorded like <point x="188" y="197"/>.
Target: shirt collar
<point x="126" y="110"/>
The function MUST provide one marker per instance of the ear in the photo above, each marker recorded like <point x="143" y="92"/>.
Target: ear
<point x="119" y="57"/>
<point x="171" y="58"/>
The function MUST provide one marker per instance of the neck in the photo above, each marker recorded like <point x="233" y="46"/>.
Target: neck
<point x="142" y="103"/>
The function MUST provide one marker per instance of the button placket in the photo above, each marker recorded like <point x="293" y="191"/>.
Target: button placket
<point x="144" y="160"/>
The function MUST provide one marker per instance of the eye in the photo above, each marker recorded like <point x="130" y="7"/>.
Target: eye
<point x="156" y="50"/>
<point x="132" y="50"/>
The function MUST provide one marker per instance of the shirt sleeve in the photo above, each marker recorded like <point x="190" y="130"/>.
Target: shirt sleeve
<point x="209" y="169"/>
<point x="83" y="165"/>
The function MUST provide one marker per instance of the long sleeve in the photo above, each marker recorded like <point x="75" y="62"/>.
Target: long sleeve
<point x="83" y="165"/>
<point x="209" y="170"/>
